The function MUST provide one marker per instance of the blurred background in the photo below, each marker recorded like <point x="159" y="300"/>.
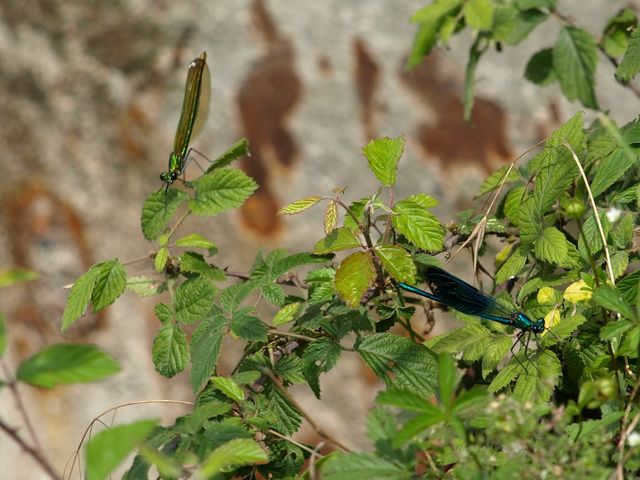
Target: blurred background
<point x="90" y="96"/>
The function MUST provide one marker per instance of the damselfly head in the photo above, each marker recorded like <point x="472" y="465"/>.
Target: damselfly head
<point x="538" y="326"/>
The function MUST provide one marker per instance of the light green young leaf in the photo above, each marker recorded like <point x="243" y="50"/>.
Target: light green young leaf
<point x="498" y="178"/>
<point x="235" y="453"/>
<point x="286" y="314"/>
<point x="612" y="169"/>
<point x="383" y="155"/>
<point x="80" y="296"/>
<point x="397" y="261"/>
<point x="160" y="259"/>
<point x="229" y="388"/>
<point x="342" y="238"/>
<point x="66" y="363"/>
<point x="206" y="343"/>
<point x="354" y="277"/>
<point x="400" y="362"/>
<point x="630" y="64"/>
<point x="420" y="226"/>
<point x="11" y="276"/>
<point x="237" y="150"/>
<point x="358" y="466"/>
<point x="158" y="209"/>
<point x="221" y="190"/>
<point x="575" y="57"/>
<point x="431" y="19"/>
<point x="194" y="299"/>
<point x="196" y="241"/>
<point x="110" y="284"/>
<point x="170" y="352"/>
<point x="106" y="450"/>
<point x="300" y="205"/>
<point x="551" y="247"/>
<point x="330" y="217"/>
<point x="478" y="14"/>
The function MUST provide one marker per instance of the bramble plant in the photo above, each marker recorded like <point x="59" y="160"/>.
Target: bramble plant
<point x="468" y="403"/>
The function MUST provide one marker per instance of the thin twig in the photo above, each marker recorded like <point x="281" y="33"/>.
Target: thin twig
<point x="13" y="386"/>
<point x="33" y="452"/>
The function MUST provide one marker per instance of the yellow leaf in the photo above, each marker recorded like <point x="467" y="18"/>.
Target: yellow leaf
<point x="546" y="295"/>
<point x="577" y="292"/>
<point x="551" y="319"/>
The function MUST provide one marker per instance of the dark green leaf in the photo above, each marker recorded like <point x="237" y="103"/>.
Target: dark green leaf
<point x="158" y="209"/>
<point x="610" y="298"/>
<point x="431" y="18"/>
<point x="79" y="296"/>
<point x="612" y="169"/>
<point x="248" y="327"/>
<point x="109" y="285"/>
<point x="575" y="58"/>
<point x="358" y="466"/>
<point x="235" y="453"/>
<point x="164" y="313"/>
<point x="66" y="363"/>
<point x="469" y="77"/>
<point x="400" y="362"/>
<point x="407" y="400"/>
<point x="194" y="299"/>
<point x="239" y="149"/>
<point x="446" y="380"/>
<point x="630" y="64"/>
<point x="206" y="342"/>
<point x="192" y="262"/>
<point x="170" y="352"/>
<point x="539" y="70"/>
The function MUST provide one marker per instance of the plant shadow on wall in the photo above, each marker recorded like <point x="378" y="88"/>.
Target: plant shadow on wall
<point x="541" y="380"/>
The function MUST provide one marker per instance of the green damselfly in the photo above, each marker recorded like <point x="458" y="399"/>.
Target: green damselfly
<point x="195" y="111"/>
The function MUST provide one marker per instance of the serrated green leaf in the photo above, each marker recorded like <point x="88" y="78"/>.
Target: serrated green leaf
<point x="420" y="226"/>
<point x="512" y="203"/>
<point x="446" y="380"/>
<point x="248" y="327"/>
<point x="79" y="296"/>
<point x="12" y="276"/>
<point x="505" y="376"/>
<point x="610" y="298"/>
<point x="354" y="277"/>
<point x="206" y="343"/>
<point x="551" y="247"/>
<point x="229" y="388"/>
<point x="512" y="266"/>
<point x="300" y="205"/>
<point x="221" y="190"/>
<point x="397" y="261"/>
<point x="615" y="329"/>
<point x="160" y="259"/>
<point x="539" y="69"/>
<point x="164" y="313"/>
<point x="630" y="64"/>
<point x="497" y="178"/>
<point x="192" y="262"/>
<point x="237" y="150"/>
<point x="615" y="38"/>
<point x="196" y="241"/>
<point x="66" y="363"/>
<point x="478" y="14"/>
<point x="575" y="57"/>
<point x="107" y="449"/>
<point x="383" y="155"/>
<point x="400" y="362"/>
<point x="232" y="296"/>
<point x="144" y="286"/>
<point x="342" y="238"/>
<point x="422" y="199"/>
<point x="158" y="209"/>
<point x="590" y="242"/>
<point x="562" y="330"/>
<point x="322" y="353"/>
<point x="619" y="263"/>
<point x="612" y="169"/>
<point x="273" y="293"/>
<point x="286" y="314"/>
<point x="235" y="453"/>
<point x="283" y="265"/>
<point x="169" y="352"/>
<point x="194" y="299"/>
<point x="407" y="400"/>
<point x="537" y="384"/>
<point x="288" y="419"/>
<point x="496" y="347"/>
<point x="110" y="284"/>
<point x="357" y="466"/>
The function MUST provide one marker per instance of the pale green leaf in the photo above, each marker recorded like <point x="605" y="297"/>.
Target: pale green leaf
<point x="342" y="238"/>
<point x="170" y="351"/>
<point x="551" y="247"/>
<point x="300" y="205"/>
<point x="575" y="57"/>
<point x="397" y="261"/>
<point x="478" y="14"/>
<point x="229" y="388"/>
<point x="383" y="155"/>
<point x="420" y="226"/>
<point x="144" y="286"/>
<point x="330" y="217"/>
<point x="195" y="240"/>
<point x="160" y="259"/>
<point x="286" y="314"/>
<point x="79" y="296"/>
<point x="499" y="177"/>
<point x="512" y="266"/>
<point x="354" y="277"/>
<point x="11" y="276"/>
<point x="109" y="285"/>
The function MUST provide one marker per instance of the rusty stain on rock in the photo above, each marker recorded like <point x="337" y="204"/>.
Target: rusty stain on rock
<point x="448" y="138"/>
<point x="266" y="98"/>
